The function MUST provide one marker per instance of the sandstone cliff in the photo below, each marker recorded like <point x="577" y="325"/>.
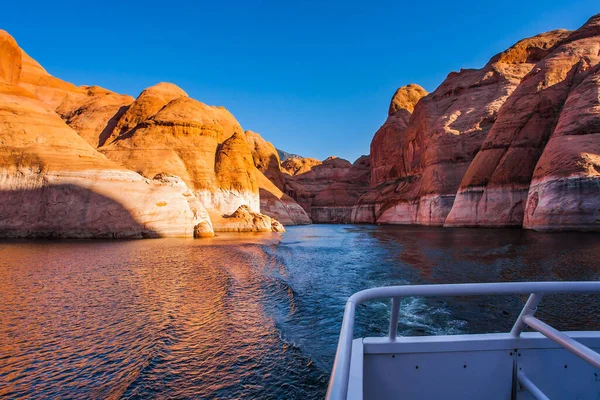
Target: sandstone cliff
<point x="271" y="182"/>
<point x="194" y="159"/>
<point x="54" y="184"/>
<point x="514" y="143"/>
<point x="496" y="187"/>
<point x="336" y="202"/>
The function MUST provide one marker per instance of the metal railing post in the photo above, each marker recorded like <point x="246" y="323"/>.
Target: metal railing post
<point x="529" y="309"/>
<point x="394" y="317"/>
<point x="340" y="376"/>
<point x="580" y="350"/>
<point x="530" y="387"/>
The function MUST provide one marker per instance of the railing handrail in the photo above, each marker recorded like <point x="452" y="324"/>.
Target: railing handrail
<point x="338" y="383"/>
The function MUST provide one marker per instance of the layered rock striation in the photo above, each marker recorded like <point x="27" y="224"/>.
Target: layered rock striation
<point x="336" y="203"/>
<point x="87" y="162"/>
<point x="538" y="117"/>
<point x="54" y="184"/>
<point x="514" y="143"/>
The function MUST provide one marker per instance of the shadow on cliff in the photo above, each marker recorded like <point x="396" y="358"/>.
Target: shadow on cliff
<point x="66" y="211"/>
<point x="111" y="125"/>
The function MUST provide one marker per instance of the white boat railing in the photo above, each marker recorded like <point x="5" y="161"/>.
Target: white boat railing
<point x="338" y="383"/>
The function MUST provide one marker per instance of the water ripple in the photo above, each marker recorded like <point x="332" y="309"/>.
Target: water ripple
<point x="249" y="316"/>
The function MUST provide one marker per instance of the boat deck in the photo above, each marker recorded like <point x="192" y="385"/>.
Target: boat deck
<point x="517" y="365"/>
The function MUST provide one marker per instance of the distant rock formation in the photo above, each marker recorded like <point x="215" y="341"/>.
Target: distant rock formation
<point x="271" y="182"/>
<point x="284" y="155"/>
<point x="308" y="176"/>
<point x="299" y="165"/>
<point x="336" y="202"/>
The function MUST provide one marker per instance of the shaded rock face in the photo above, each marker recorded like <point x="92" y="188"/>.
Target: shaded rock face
<point x="273" y="201"/>
<point x="336" y="203"/>
<point x="54" y="184"/>
<point x="388" y="142"/>
<point x="308" y="177"/>
<point x="266" y="158"/>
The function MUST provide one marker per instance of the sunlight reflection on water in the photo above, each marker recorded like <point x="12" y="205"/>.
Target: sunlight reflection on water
<point x="251" y="316"/>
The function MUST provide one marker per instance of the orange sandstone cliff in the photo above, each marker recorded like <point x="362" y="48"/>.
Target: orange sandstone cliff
<point x="54" y="184"/>
<point x="87" y="162"/>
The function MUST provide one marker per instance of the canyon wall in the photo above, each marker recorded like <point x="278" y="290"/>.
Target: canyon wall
<point x="54" y="184"/>
<point x="515" y="143"/>
<point x="538" y="116"/>
<point x="82" y="161"/>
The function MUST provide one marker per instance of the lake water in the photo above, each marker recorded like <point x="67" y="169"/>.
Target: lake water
<point x="253" y="316"/>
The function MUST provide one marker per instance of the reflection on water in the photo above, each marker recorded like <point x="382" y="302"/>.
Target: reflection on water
<point x="252" y="316"/>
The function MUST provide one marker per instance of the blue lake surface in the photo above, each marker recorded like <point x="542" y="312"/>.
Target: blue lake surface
<point x="253" y="315"/>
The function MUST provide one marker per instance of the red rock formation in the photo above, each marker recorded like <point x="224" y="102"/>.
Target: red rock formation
<point x="336" y="203"/>
<point x="565" y="187"/>
<point x="245" y="220"/>
<point x="387" y="144"/>
<point x="174" y="141"/>
<point x="511" y="144"/>
<point x="203" y="145"/>
<point x="54" y="184"/>
<point x="273" y="202"/>
<point x="415" y="180"/>
<point x="495" y="188"/>
<point x="310" y="177"/>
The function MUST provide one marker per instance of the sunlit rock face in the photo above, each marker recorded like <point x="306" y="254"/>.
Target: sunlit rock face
<point x="201" y="144"/>
<point x="168" y="161"/>
<point x="245" y="220"/>
<point x="271" y="183"/>
<point x="54" y="184"/>
<point x="538" y="166"/>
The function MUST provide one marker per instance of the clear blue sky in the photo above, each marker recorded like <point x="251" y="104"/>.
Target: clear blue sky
<point x="313" y="77"/>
